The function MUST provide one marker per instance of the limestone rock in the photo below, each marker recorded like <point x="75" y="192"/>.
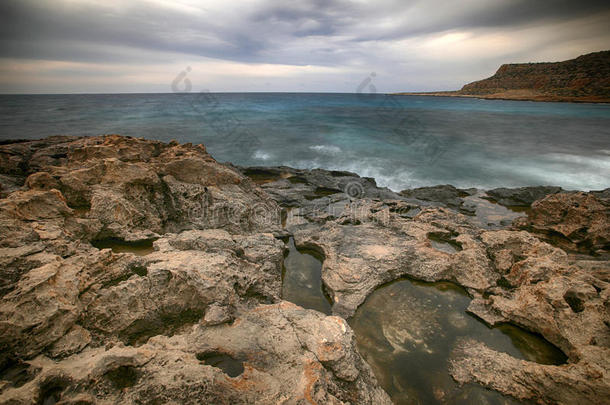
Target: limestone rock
<point x="522" y="196"/>
<point x="474" y="362"/>
<point x="446" y="194"/>
<point x="198" y="318"/>
<point x="182" y="323"/>
<point x="575" y="221"/>
<point x="272" y="354"/>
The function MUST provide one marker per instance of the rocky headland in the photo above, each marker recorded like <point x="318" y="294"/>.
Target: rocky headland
<point x="584" y="79"/>
<point x="135" y="271"/>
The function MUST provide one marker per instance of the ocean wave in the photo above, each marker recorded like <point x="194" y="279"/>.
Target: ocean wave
<point x="572" y="172"/>
<point x="375" y="168"/>
<point x="566" y="170"/>
<point x="326" y="149"/>
<point x="261" y="155"/>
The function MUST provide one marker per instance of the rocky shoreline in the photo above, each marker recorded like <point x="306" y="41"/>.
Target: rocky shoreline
<point x="584" y="79"/>
<point x="511" y="95"/>
<point x="196" y="316"/>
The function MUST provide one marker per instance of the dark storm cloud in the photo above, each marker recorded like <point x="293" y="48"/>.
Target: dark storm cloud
<point x="57" y="30"/>
<point x="27" y="26"/>
<point x="396" y="38"/>
<point x="467" y="14"/>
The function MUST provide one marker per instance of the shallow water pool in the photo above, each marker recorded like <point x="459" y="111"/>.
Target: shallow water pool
<point x="301" y="279"/>
<point x="406" y="331"/>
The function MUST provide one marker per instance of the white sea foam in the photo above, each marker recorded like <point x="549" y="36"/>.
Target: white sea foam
<point x="326" y="149"/>
<point x="562" y="169"/>
<point x="371" y="167"/>
<point x="566" y="170"/>
<point x="261" y="155"/>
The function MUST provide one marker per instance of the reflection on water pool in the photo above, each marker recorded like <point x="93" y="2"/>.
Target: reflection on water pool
<point x="406" y="331"/>
<point x="301" y="279"/>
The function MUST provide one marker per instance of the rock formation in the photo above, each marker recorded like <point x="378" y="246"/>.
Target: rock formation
<point x="512" y="276"/>
<point x="576" y="222"/>
<point x="199" y="320"/>
<point x="197" y="316"/>
<point x="583" y="79"/>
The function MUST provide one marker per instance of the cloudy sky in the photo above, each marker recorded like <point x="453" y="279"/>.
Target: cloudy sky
<point x="112" y="46"/>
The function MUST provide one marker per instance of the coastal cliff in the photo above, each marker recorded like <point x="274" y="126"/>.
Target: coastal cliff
<point x="583" y="79"/>
<point x="136" y="271"/>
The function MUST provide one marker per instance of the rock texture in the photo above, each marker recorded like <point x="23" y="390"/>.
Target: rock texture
<point x="511" y="275"/>
<point x="446" y="194"/>
<point x="575" y="221"/>
<point x="272" y="354"/>
<point x="521" y="197"/>
<point x="198" y="320"/>
<point x="197" y="316"/>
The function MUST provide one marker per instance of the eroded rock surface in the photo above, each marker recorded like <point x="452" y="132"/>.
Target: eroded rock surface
<point x="575" y="221"/>
<point x="522" y="196"/>
<point x="197" y="316"/>
<point x="271" y="354"/>
<point x="446" y="194"/>
<point x="512" y="276"/>
<point x="197" y="319"/>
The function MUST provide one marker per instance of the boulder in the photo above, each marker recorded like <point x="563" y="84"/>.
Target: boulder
<point x="574" y="221"/>
<point x="522" y="196"/>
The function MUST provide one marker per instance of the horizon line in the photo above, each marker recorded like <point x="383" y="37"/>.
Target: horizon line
<point x="220" y="92"/>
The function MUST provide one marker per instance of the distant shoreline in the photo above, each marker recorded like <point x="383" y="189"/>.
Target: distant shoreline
<point x="581" y="80"/>
<point x="509" y="97"/>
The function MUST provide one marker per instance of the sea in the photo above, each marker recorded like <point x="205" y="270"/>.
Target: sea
<point x="401" y="141"/>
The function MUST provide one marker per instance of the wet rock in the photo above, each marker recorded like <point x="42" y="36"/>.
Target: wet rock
<point x="513" y="276"/>
<point x="296" y="187"/>
<point x="447" y="195"/>
<point x="546" y="293"/>
<point x="522" y="196"/>
<point x="574" y="221"/>
<point x="386" y="246"/>
<point x="474" y="362"/>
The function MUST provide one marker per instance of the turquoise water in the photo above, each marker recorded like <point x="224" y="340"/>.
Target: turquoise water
<point x="401" y="141"/>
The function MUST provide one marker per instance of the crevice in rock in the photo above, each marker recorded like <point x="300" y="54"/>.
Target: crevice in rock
<point x="296" y="179"/>
<point x="17" y="372"/>
<point x="228" y="364"/>
<point x="139" y="248"/>
<point x="141" y="330"/>
<point x="51" y="391"/>
<point x="326" y="191"/>
<point x="123" y="376"/>
<point x="445" y="242"/>
<point x="261" y="176"/>
<point x="302" y="278"/>
<point x="139" y="269"/>
<point x="576" y="303"/>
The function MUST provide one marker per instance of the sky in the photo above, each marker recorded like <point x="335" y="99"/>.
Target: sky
<point x="111" y="46"/>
